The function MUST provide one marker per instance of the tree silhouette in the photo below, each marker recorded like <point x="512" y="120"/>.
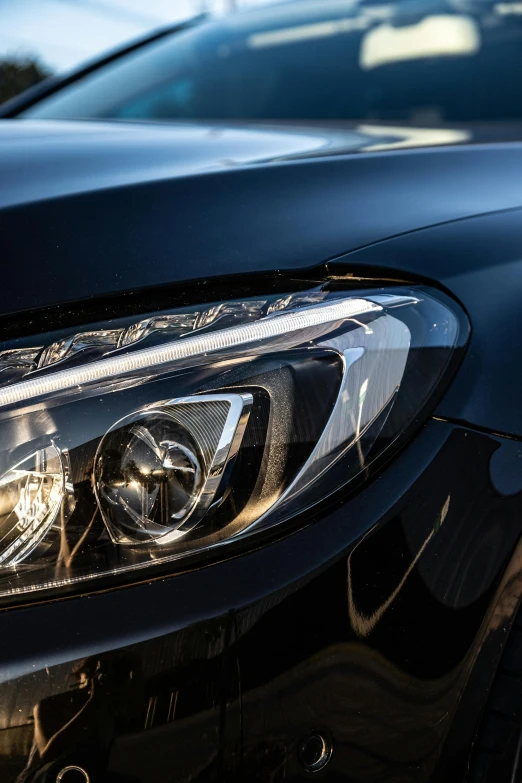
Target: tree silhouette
<point x="18" y="74"/>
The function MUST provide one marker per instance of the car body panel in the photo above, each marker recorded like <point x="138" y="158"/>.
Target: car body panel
<point x="317" y="209"/>
<point x="381" y="619"/>
<point x="192" y="221"/>
<point x="365" y="624"/>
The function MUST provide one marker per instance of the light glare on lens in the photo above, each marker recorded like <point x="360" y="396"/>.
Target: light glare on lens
<point x="31" y="495"/>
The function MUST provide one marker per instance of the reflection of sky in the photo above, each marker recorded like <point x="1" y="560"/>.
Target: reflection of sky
<point x="65" y="32"/>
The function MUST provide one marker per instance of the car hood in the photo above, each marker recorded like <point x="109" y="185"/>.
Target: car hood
<point x="93" y="210"/>
<point x="47" y="159"/>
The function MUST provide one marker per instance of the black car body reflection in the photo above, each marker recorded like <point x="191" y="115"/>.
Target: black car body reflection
<point x="359" y="640"/>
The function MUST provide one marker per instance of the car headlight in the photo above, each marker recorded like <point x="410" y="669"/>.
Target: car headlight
<point x="133" y="443"/>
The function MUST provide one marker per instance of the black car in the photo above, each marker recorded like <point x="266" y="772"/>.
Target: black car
<point x="261" y="403"/>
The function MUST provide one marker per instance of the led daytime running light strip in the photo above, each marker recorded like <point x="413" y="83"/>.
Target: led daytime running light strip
<point x="272" y="326"/>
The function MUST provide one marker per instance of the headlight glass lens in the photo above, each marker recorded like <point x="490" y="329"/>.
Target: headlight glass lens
<point x="130" y="444"/>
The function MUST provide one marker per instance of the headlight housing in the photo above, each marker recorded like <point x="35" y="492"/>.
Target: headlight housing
<point x="134" y="443"/>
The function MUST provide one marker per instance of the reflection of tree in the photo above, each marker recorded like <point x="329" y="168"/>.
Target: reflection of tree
<point x="18" y="74"/>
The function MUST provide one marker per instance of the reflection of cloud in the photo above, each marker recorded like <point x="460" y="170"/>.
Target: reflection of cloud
<point x="435" y="36"/>
<point x="307" y="32"/>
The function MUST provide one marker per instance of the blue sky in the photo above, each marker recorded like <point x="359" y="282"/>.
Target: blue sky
<point x="65" y="32"/>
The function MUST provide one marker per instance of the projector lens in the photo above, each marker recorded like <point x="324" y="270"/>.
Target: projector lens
<point x="149" y="476"/>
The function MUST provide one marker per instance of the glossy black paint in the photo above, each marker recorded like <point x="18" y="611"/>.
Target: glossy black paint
<point x="380" y="623"/>
<point x="156" y="205"/>
<point x="152" y="210"/>
<point x="364" y="626"/>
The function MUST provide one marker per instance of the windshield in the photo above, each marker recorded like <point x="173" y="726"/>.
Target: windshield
<point x="418" y="62"/>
